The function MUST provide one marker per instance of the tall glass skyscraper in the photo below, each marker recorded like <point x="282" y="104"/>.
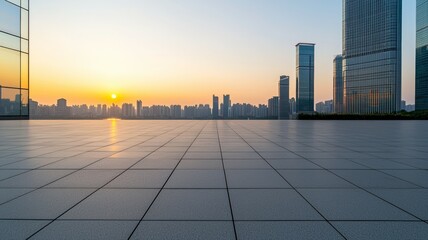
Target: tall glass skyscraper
<point x="14" y="61"/>
<point x="422" y="55"/>
<point x="226" y="106"/>
<point x="284" y="97"/>
<point x="215" y="107"/>
<point x="305" y="70"/>
<point x="337" y="85"/>
<point x="372" y="55"/>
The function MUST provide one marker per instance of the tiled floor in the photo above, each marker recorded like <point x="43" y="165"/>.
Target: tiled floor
<point x="213" y="180"/>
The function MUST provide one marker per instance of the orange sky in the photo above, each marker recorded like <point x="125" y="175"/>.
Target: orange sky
<point x="180" y="52"/>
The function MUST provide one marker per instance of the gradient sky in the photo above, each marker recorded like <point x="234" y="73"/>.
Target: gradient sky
<point x="183" y="51"/>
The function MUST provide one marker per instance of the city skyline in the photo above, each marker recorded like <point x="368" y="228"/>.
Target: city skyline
<point x="138" y="66"/>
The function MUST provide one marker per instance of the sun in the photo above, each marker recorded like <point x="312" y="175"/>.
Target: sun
<point x="113" y="96"/>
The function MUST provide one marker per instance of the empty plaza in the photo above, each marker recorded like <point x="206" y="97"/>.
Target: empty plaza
<point x="118" y="179"/>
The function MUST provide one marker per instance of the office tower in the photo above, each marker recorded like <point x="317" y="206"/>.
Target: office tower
<point x="14" y="65"/>
<point x="422" y="55"/>
<point x="372" y="56"/>
<point x="139" y="109"/>
<point x="305" y="70"/>
<point x="273" y="108"/>
<point x="61" y="108"/>
<point x="215" y="107"/>
<point x="284" y="97"/>
<point x="226" y="106"/>
<point x="338" y="89"/>
<point x="292" y="106"/>
<point x="325" y="107"/>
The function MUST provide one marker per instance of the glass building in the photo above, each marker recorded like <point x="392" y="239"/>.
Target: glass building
<point x="337" y="85"/>
<point x="14" y="61"/>
<point x="226" y="106"/>
<point x="305" y="60"/>
<point x="422" y="55"/>
<point x="215" y="107"/>
<point x="372" y="55"/>
<point x="284" y="97"/>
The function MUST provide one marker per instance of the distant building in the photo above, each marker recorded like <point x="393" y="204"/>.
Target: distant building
<point x="262" y="111"/>
<point x="372" y="34"/>
<point x="325" y="107"/>
<point x="305" y="72"/>
<point x="284" y="97"/>
<point x="293" y="107"/>
<point x="34" y="107"/>
<point x="338" y="87"/>
<point x="422" y="55"/>
<point x="176" y="111"/>
<point x="61" y="108"/>
<point x="226" y="106"/>
<point x="128" y="110"/>
<point x="139" y="109"/>
<point x="215" y="107"/>
<point x="403" y="105"/>
<point x="273" y="108"/>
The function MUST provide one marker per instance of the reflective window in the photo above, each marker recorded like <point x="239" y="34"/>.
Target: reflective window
<point x="24" y="24"/>
<point x="24" y="45"/>
<point x="9" y="68"/>
<point x="24" y="102"/>
<point x="10" y="102"/>
<point x="9" y="18"/>
<point x="24" y="70"/>
<point x="9" y="41"/>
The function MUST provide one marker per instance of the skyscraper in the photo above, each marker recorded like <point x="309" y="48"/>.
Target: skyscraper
<point x="139" y="108"/>
<point x="226" y="106"/>
<point x="284" y="97"/>
<point x="215" y="107"/>
<point x="14" y="65"/>
<point x="273" y="108"/>
<point x="305" y="70"/>
<point x="422" y="55"/>
<point x="372" y="55"/>
<point x="337" y="85"/>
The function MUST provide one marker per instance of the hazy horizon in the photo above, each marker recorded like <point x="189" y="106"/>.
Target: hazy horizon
<point x="168" y="52"/>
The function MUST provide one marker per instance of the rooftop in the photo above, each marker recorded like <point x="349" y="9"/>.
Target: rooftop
<point x="213" y="179"/>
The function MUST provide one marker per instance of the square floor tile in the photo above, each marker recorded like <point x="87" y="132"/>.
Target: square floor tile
<point x="34" y="178"/>
<point x="113" y="204"/>
<point x="270" y="204"/>
<point x="197" y="179"/>
<point x="383" y="230"/>
<point x="140" y="179"/>
<point x="200" y="165"/>
<point x="164" y="230"/>
<point x="286" y="230"/>
<point x="192" y="204"/>
<point x="255" y="179"/>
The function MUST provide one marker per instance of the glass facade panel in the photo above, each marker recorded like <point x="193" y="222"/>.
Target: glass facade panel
<point x="10" y="103"/>
<point x="9" y="41"/>
<point x="14" y="60"/>
<point x="305" y="54"/>
<point x="10" y="63"/>
<point x="24" y="45"/>
<point x="24" y="23"/>
<point x="24" y="71"/>
<point x="372" y="56"/>
<point x="9" y="18"/>
<point x="422" y="55"/>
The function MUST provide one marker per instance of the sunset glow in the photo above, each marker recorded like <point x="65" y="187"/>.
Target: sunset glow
<point x="183" y="52"/>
